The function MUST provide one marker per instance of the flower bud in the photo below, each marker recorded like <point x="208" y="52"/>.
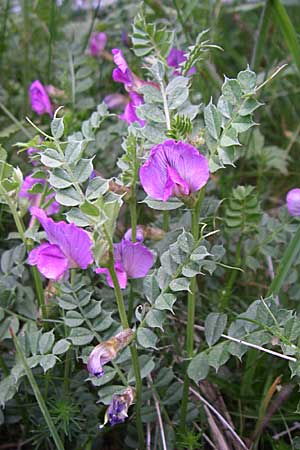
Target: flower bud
<point x="107" y="351"/>
<point x="293" y="202"/>
<point x="118" y="409"/>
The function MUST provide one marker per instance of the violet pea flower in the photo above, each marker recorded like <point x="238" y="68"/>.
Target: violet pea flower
<point x="107" y="351"/>
<point x="139" y="234"/>
<point x="34" y="199"/>
<point x="118" y="408"/>
<point x="132" y="260"/>
<point x="114" y="101"/>
<point x="293" y="202"/>
<point x="173" y="169"/>
<point x="123" y="74"/>
<point x="97" y="43"/>
<point x="69" y="247"/>
<point x="40" y="101"/>
<point x="129" y="114"/>
<point x="175" y="58"/>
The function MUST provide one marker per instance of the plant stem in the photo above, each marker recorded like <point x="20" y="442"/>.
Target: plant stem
<point x="261" y="35"/>
<point x="230" y="283"/>
<point x="3" y="30"/>
<point x="51" y="38"/>
<point x="38" y="395"/>
<point x="166" y="221"/>
<point x="21" y="231"/>
<point x="190" y="313"/>
<point x="25" y="69"/>
<point x="289" y="256"/>
<point x="133" y="350"/>
<point x="15" y="120"/>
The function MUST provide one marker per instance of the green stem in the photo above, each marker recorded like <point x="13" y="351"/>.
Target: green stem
<point x="15" y="120"/>
<point x="21" y="231"/>
<point x="234" y="273"/>
<point x="133" y="350"/>
<point x="25" y="68"/>
<point x="190" y="314"/>
<point x="132" y="206"/>
<point x="91" y="26"/>
<point x="261" y="35"/>
<point x="282" y="19"/>
<point x="130" y="304"/>
<point x="166" y="216"/>
<point x="38" y="395"/>
<point x="51" y="38"/>
<point x="3" y="30"/>
<point x="289" y="256"/>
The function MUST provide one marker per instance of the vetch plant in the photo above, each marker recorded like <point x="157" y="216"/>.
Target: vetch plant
<point x="168" y="263"/>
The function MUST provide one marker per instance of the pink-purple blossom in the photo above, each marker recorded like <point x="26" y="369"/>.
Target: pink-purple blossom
<point x="175" y="58"/>
<point x="123" y="74"/>
<point x="40" y="101"/>
<point x="68" y="247"/>
<point x="173" y="169"/>
<point x="34" y="199"/>
<point x="130" y="115"/>
<point x="139" y="234"/>
<point x="131" y="260"/>
<point x="114" y="101"/>
<point x="97" y="43"/>
<point x="293" y="202"/>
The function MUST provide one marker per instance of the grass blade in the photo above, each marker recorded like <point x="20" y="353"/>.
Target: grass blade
<point x="38" y="395"/>
<point x="282" y="19"/>
<point x="285" y="264"/>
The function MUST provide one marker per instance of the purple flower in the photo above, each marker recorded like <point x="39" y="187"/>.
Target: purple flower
<point x="129" y="114"/>
<point x="123" y="74"/>
<point x="35" y="199"/>
<point x="68" y="247"/>
<point x="173" y="169"/>
<point x="118" y="409"/>
<point x="107" y="351"/>
<point x="139" y="234"/>
<point x="97" y="43"/>
<point x="31" y="151"/>
<point x="175" y="58"/>
<point x="40" y="102"/>
<point x="293" y="202"/>
<point x="113" y="101"/>
<point x="132" y="260"/>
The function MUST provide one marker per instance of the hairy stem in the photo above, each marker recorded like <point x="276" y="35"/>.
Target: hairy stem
<point x="133" y="350"/>
<point x="234" y="273"/>
<point x="191" y="313"/>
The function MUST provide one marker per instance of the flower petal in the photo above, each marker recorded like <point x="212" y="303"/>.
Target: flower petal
<point x="97" y="43"/>
<point x="136" y="259"/>
<point x="130" y="114"/>
<point x="120" y="272"/>
<point x="50" y="261"/>
<point x="74" y="242"/>
<point x="40" y="102"/>
<point x="191" y="170"/>
<point x="293" y="202"/>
